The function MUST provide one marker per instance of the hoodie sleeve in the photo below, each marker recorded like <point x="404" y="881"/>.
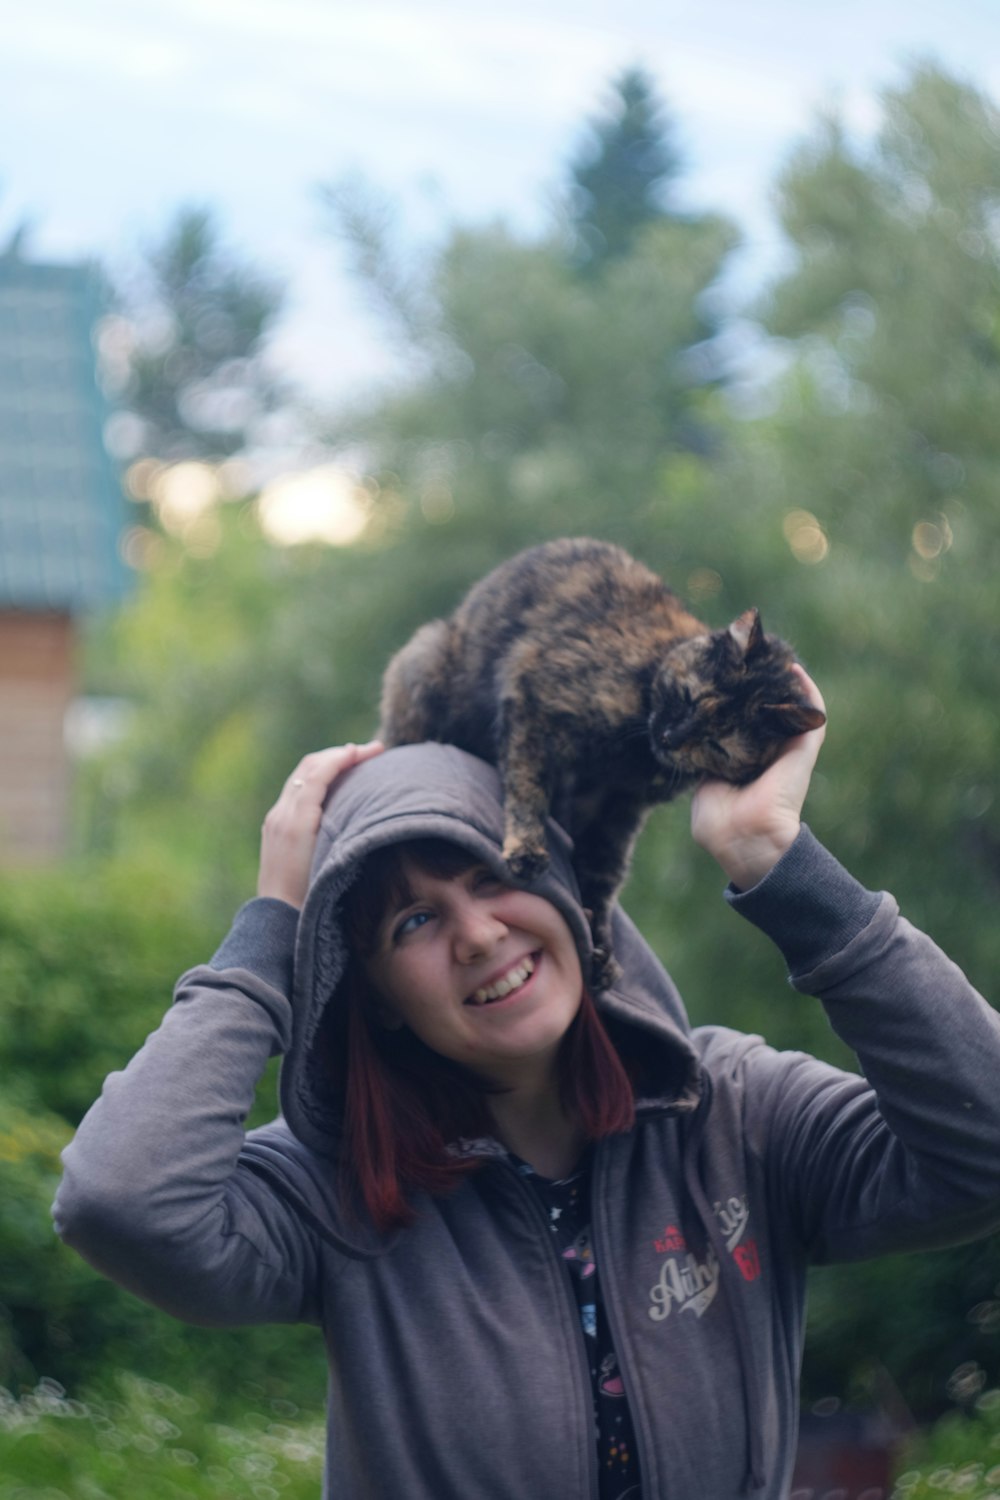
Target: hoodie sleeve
<point x="907" y="1156"/>
<point x="154" y="1194"/>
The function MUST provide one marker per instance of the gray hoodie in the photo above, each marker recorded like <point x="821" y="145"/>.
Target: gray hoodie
<point x="457" y="1363"/>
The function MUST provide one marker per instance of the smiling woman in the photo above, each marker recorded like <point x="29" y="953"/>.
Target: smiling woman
<point x="465" y="1002"/>
<point x="523" y="1209"/>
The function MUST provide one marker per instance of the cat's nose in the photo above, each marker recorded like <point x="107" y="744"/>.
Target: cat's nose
<point x="677" y="734"/>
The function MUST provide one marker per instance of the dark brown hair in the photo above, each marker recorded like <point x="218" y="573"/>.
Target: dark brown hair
<point x="404" y="1104"/>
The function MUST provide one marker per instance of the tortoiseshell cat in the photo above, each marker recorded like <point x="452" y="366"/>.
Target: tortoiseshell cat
<point x="584" y="679"/>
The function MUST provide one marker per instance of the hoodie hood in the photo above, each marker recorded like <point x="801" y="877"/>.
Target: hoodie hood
<point x="438" y="791"/>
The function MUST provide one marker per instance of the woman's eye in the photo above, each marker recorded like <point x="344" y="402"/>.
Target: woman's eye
<point x="409" y="924"/>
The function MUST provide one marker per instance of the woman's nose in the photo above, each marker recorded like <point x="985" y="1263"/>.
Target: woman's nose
<point x="477" y="931"/>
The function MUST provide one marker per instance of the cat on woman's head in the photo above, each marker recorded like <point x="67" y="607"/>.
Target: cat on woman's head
<point x="583" y="678"/>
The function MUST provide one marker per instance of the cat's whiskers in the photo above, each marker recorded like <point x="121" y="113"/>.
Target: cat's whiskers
<point x="677" y="779"/>
<point x="635" y="731"/>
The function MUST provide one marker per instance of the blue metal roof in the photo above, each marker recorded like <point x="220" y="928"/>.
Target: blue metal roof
<point x="61" y="506"/>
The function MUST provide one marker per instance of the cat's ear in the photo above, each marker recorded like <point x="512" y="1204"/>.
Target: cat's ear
<point x="746" y="632"/>
<point x="794" y="717"/>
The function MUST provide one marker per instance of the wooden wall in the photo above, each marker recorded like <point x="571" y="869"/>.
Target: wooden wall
<point x="36" y="685"/>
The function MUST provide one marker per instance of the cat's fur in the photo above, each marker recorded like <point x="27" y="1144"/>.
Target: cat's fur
<point x="577" y="672"/>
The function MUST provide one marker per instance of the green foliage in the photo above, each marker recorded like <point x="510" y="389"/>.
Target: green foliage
<point x="885" y="441"/>
<point x="926" y="1318"/>
<point x="536" y="386"/>
<point x="546" y="391"/>
<point x="88" y="959"/>
<point x="145" y="1438"/>
<point x="39" y="1285"/>
<point x="876" y="474"/>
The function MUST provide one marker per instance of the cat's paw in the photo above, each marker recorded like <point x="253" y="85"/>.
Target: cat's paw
<point x="525" y="861"/>
<point x="605" y="971"/>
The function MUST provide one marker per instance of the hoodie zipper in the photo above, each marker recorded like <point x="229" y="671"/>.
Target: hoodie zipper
<point x="562" y="1274"/>
<point x="612" y="1310"/>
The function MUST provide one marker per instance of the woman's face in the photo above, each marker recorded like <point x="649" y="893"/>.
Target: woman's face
<point x="485" y="975"/>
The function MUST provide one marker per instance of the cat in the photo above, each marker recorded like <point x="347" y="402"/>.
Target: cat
<point x="584" y="679"/>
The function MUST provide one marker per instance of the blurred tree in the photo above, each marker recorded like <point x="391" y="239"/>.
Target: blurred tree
<point x="877" y="473"/>
<point x="884" y="458"/>
<point x="185" y="359"/>
<point x="533" y="385"/>
<point x="620" y="176"/>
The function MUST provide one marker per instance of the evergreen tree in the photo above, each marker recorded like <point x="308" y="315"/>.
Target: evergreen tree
<point x="621" y="175"/>
<point x="192" y="367"/>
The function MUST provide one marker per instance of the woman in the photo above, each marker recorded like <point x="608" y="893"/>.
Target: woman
<point x="451" y="1095"/>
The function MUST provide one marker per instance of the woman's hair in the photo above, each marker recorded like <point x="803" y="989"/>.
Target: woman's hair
<point x="404" y="1104"/>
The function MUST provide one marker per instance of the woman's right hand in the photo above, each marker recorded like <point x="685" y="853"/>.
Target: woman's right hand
<point x="748" y="828"/>
<point x="288" y="836"/>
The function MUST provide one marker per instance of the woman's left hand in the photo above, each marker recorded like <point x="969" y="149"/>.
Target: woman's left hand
<point x="748" y="828"/>
<point x="288" y="836"/>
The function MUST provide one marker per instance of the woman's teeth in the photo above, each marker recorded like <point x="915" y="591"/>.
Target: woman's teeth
<point x="512" y="980"/>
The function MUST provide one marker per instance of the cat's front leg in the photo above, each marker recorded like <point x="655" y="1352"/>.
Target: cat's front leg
<point x="524" y="767"/>
<point x="601" y="858"/>
<point x="605" y="970"/>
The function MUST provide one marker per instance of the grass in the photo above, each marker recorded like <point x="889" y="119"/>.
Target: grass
<point x="960" y="1456"/>
<point x="150" y="1440"/>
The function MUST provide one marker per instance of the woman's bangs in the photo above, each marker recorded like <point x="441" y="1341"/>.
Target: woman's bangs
<point x="383" y="883"/>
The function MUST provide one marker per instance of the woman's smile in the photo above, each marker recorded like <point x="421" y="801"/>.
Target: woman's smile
<point x="510" y="985"/>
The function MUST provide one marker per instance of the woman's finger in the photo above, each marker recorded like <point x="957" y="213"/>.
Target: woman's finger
<point x="812" y="691"/>
<point x="318" y="770"/>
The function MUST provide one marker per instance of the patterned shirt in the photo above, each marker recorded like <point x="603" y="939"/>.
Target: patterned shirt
<point x="567" y="1202"/>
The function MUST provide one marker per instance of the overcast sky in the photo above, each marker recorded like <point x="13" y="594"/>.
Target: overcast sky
<point x="114" y="112"/>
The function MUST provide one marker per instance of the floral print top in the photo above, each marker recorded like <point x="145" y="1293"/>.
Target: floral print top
<point x="567" y="1202"/>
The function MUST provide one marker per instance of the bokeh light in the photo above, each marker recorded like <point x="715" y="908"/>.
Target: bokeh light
<point x="805" y="536"/>
<point x="325" y="504"/>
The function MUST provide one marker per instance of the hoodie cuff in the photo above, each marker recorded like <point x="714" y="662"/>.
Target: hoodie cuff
<point x="808" y="904"/>
<point x="262" y="939"/>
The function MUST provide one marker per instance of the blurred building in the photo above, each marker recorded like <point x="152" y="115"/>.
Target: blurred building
<point x="60" y="521"/>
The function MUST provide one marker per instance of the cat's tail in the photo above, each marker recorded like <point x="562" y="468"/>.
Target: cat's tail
<point x="416" y="686"/>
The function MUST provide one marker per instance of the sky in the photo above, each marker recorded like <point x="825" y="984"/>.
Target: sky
<point x="116" y="112"/>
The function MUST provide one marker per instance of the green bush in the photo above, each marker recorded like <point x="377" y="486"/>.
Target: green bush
<point x="88" y="959"/>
